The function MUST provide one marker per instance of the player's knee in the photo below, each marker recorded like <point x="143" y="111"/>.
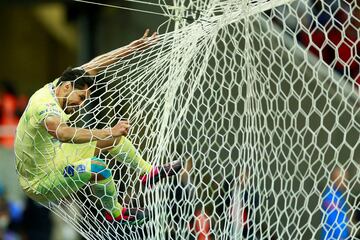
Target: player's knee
<point x="98" y="166"/>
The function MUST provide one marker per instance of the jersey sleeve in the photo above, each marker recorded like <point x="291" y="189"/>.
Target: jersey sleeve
<point x="43" y="109"/>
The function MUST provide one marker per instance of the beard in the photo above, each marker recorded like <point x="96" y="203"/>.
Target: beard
<point x="70" y="108"/>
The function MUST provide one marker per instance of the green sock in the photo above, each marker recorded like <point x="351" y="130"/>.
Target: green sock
<point x="106" y="190"/>
<point x="126" y="152"/>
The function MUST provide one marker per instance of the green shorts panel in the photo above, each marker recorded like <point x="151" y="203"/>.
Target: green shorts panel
<point x="70" y="170"/>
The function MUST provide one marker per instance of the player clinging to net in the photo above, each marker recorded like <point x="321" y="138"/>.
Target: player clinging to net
<point x="55" y="160"/>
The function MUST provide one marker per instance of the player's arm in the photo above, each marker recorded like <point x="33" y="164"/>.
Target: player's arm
<point x="65" y="133"/>
<point x="102" y="61"/>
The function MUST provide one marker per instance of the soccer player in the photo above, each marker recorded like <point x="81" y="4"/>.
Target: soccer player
<point x="54" y="160"/>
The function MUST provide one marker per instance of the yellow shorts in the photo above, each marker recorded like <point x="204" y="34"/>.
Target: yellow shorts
<point x="69" y="153"/>
<point x="70" y="170"/>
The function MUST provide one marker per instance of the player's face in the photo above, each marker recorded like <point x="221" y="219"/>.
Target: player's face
<point x="75" y="99"/>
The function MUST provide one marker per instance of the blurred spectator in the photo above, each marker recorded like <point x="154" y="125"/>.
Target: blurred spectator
<point x="4" y="214"/>
<point x="244" y="202"/>
<point x="327" y="11"/>
<point x="239" y="200"/>
<point x="184" y="196"/>
<point x="333" y="36"/>
<point x="181" y="207"/>
<point x="329" y="29"/>
<point x="10" y="217"/>
<point x="37" y="223"/>
<point x="335" y="222"/>
<point x="201" y="224"/>
<point x="11" y="108"/>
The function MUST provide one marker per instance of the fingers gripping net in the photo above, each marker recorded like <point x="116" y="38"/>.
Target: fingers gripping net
<point x="267" y="119"/>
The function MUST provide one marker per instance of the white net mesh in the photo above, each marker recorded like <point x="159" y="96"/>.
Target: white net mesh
<point x="262" y="95"/>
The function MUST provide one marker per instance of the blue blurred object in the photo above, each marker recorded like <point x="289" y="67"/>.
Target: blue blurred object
<point x="16" y="211"/>
<point x="335" y="209"/>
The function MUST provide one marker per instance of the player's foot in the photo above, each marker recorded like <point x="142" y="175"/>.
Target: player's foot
<point x="129" y="216"/>
<point x="163" y="171"/>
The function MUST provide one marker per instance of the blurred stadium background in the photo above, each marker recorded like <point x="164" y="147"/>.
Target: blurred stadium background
<point x="41" y="38"/>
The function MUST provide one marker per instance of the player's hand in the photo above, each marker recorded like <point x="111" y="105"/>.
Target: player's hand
<point x="145" y="41"/>
<point x="120" y="129"/>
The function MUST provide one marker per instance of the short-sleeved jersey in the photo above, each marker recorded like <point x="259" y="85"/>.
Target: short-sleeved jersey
<point x="35" y="148"/>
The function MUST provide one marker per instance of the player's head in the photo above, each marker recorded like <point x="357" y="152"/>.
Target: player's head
<point x="75" y="87"/>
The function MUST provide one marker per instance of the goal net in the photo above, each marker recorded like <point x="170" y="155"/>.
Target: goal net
<point x="262" y="96"/>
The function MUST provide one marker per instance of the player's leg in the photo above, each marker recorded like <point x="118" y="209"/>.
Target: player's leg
<point x="61" y="184"/>
<point x="101" y="175"/>
<point x="123" y="150"/>
<point x="104" y="187"/>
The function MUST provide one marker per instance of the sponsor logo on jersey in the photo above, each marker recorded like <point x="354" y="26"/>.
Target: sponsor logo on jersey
<point x="69" y="171"/>
<point x="81" y="168"/>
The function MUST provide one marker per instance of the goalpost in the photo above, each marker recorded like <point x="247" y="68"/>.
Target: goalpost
<point x="245" y="89"/>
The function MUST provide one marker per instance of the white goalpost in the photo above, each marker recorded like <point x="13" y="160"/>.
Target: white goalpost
<point x="246" y="91"/>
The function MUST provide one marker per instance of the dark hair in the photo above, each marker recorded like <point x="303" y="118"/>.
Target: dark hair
<point x="78" y="77"/>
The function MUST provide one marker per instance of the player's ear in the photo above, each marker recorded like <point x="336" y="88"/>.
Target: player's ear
<point x="68" y="86"/>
